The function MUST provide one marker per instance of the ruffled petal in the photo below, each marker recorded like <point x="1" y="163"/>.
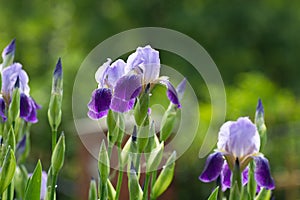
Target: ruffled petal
<point x="99" y="103"/>
<point x="127" y="89"/>
<point x="243" y="139"/>
<point x="115" y="71"/>
<point x="262" y="173"/>
<point x="213" y="167"/>
<point x="148" y="60"/>
<point x="101" y="73"/>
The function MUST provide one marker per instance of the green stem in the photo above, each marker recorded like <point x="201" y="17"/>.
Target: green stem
<point x="53" y="184"/>
<point x="146" y="186"/>
<point x="153" y="179"/>
<point x="54" y="138"/>
<point x="120" y="176"/>
<point x="110" y="147"/>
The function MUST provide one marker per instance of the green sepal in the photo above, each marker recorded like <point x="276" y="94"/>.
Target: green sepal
<point x="8" y="169"/>
<point x="112" y="126"/>
<point x="235" y="192"/>
<point x="14" y="106"/>
<point x="54" y="110"/>
<point x="33" y="188"/>
<point x="155" y="158"/>
<point x="264" y="194"/>
<point x="11" y="140"/>
<point x="135" y="190"/>
<point x="93" y="190"/>
<point x="165" y="177"/>
<point x="125" y="152"/>
<point x="214" y="194"/>
<point x="20" y="181"/>
<point x="103" y="162"/>
<point x="167" y="123"/>
<point x="141" y="107"/>
<point x="143" y="135"/>
<point x="111" y="190"/>
<point x="251" y="186"/>
<point x="58" y="156"/>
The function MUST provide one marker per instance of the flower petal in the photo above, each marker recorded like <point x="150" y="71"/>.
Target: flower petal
<point x="101" y="73"/>
<point x="223" y="136"/>
<point x="148" y="60"/>
<point x="243" y="138"/>
<point x="28" y="108"/>
<point x="99" y="103"/>
<point x="115" y="71"/>
<point x="262" y="173"/>
<point x="213" y="167"/>
<point x="180" y="89"/>
<point x="127" y="89"/>
<point x="2" y="109"/>
<point x="171" y="92"/>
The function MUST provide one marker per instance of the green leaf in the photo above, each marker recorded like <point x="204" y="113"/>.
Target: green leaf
<point x="20" y="180"/>
<point x="155" y="158"/>
<point x="11" y="138"/>
<point x="251" y="186"/>
<point x="135" y="190"/>
<point x="167" y="123"/>
<point x="214" y="194"/>
<point x="34" y="185"/>
<point x="103" y="162"/>
<point x="235" y="192"/>
<point x="165" y="177"/>
<point x="264" y="194"/>
<point x="8" y="169"/>
<point x="111" y="190"/>
<point x="93" y="190"/>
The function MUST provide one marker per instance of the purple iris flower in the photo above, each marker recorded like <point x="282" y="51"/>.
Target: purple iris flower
<point x="43" y="184"/>
<point x="238" y="140"/>
<point x="146" y="61"/>
<point x="119" y="83"/>
<point x="15" y="74"/>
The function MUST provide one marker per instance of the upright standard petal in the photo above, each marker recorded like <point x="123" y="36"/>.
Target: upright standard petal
<point x="10" y="76"/>
<point x="180" y="89"/>
<point x="262" y="173"/>
<point x="148" y="60"/>
<point x="99" y="103"/>
<point x="223" y="136"/>
<point x="114" y="72"/>
<point x="243" y="138"/>
<point x="101" y="73"/>
<point x="213" y="167"/>
<point x="127" y="89"/>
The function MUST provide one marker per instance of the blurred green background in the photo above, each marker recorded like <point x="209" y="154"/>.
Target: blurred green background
<point x="255" y="45"/>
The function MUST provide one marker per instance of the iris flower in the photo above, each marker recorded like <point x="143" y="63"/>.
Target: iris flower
<point x="119" y="83"/>
<point x="238" y="140"/>
<point x="14" y="75"/>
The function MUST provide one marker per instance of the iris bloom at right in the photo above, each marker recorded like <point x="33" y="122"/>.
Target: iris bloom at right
<point x="238" y="141"/>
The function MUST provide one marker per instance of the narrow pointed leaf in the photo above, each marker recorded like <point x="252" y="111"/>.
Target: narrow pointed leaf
<point x="8" y="170"/>
<point x="214" y="194"/>
<point x="34" y="185"/>
<point x="93" y="190"/>
<point x="264" y="194"/>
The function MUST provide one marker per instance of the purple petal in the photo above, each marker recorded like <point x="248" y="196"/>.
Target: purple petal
<point x="226" y="177"/>
<point x="58" y="69"/>
<point x="223" y="136"/>
<point x="243" y="138"/>
<point x="99" y="103"/>
<point x="101" y="73"/>
<point x="260" y="107"/>
<point x="44" y="185"/>
<point x="171" y="92"/>
<point x="9" y="49"/>
<point x="28" y="108"/>
<point x="115" y="71"/>
<point x="2" y="109"/>
<point x="148" y="60"/>
<point x="127" y="89"/>
<point x="9" y="77"/>
<point x="213" y="167"/>
<point x="262" y="173"/>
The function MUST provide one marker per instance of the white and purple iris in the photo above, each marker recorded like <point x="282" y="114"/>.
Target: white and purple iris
<point x="14" y="76"/>
<point x="238" y="140"/>
<point x="119" y="83"/>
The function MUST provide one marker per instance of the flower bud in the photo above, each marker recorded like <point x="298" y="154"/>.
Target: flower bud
<point x="54" y="110"/>
<point x="260" y="124"/>
<point x="8" y="54"/>
<point x="10" y="140"/>
<point x="20" y="181"/>
<point x="14" y="106"/>
<point x="58" y="156"/>
<point x="142" y="135"/>
<point x="111" y="190"/>
<point x="135" y="190"/>
<point x="93" y="190"/>
<point x="112" y="126"/>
